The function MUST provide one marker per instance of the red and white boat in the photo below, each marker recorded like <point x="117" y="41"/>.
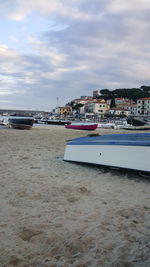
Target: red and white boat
<point x="82" y="126"/>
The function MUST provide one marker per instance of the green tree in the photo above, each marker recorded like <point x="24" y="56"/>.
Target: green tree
<point x="146" y="90"/>
<point x="78" y="106"/>
<point x="112" y="104"/>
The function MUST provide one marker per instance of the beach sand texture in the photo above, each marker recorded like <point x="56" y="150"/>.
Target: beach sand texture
<point x="56" y="213"/>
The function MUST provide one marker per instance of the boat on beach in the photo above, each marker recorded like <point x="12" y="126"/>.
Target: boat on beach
<point x="136" y="121"/>
<point x="82" y="126"/>
<point x="3" y="123"/>
<point x="127" y="151"/>
<point x="21" y="122"/>
<point x="137" y="124"/>
<point x="137" y="128"/>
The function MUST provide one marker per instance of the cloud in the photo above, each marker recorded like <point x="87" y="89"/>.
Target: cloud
<point x="64" y="8"/>
<point x="85" y="45"/>
<point x="70" y="9"/>
<point x="116" y="6"/>
<point x="13" y="38"/>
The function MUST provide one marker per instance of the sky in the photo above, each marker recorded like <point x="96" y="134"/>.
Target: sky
<point x="53" y="51"/>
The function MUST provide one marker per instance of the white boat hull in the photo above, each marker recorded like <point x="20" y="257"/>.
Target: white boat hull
<point x="130" y="157"/>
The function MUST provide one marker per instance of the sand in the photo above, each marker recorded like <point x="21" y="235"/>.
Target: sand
<point x="56" y="213"/>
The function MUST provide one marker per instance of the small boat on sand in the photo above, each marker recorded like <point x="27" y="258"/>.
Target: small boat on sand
<point x="18" y="122"/>
<point x="3" y="123"/>
<point x="137" y="128"/>
<point x="127" y="151"/>
<point x="136" y="121"/>
<point x="82" y="126"/>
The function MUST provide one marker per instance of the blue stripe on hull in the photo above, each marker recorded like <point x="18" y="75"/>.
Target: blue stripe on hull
<point x="138" y="139"/>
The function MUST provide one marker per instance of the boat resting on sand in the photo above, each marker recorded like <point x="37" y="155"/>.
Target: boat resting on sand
<point x="137" y="128"/>
<point x="127" y="151"/>
<point x="82" y="126"/>
<point x="18" y="122"/>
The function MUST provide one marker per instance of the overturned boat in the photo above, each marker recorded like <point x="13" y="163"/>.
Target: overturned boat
<point x="136" y="121"/>
<point x="127" y="151"/>
<point x="21" y="122"/>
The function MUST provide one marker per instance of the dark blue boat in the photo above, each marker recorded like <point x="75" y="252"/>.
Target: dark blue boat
<point x="21" y="122"/>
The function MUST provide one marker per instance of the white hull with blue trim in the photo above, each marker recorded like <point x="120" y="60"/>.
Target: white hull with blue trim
<point x="130" y="151"/>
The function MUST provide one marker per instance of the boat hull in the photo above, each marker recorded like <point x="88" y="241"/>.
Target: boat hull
<point x="56" y="122"/>
<point x="82" y="127"/>
<point x="24" y="123"/>
<point x="137" y="128"/>
<point x="135" y="121"/>
<point x="20" y="126"/>
<point x="108" y="152"/>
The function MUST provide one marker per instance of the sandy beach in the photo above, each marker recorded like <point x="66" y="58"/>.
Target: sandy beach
<point x="56" y="213"/>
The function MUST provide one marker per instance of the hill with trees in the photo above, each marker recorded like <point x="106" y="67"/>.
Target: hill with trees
<point x="130" y="93"/>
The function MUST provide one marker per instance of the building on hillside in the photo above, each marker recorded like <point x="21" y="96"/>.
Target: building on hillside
<point x="122" y="100"/>
<point x="96" y="93"/>
<point x="108" y="101"/>
<point x="67" y="110"/>
<point x="119" y="100"/>
<point x="143" y="106"/>
<point x="116" y="111"/>
<point x="86" y="97"/>
<point x="81" y="110"/>
<point x="98" y="108"/>
<point x="82" y="100"/>
<point x="132" y="108"/>
<point x="79" y="101"/>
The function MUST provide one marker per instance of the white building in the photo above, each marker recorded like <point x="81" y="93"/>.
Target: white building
<point x="116" y="111"/>
<point x="143" y="106"/>
<point x="83" y="101"/>
<point x="119" y="100"/>
<point x="132" y="108"/>
<point x="99" y="108"/>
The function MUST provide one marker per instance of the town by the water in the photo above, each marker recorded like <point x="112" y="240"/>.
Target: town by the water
<point x="103" y="106"/>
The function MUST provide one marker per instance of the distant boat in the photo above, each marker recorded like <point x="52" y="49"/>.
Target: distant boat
<point x="82" y="126"/>
<point x="128" y="151"/>
<point x="56" y="122"/>
<point x="108" y="125"/>
<point x="21" y="122"/>
<point x="3" y="123"/>
<point x="136" y="121"/>
<point x="137" y="128"/>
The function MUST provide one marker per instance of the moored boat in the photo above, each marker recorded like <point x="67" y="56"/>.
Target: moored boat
<point x="82" y="126"/>
<point x="3" y="123"/>
<point x="128" y="151"/>
<point x="18" y="122"/>
<point x="56" y="122"/>
<point x="137" y="128"/>
<point x="136" y="121"/>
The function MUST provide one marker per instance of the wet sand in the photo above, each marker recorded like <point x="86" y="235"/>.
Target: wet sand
<point x="56" y="213"/>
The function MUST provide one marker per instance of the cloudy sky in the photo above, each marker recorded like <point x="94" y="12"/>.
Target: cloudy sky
<point x="62" y="49"/>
